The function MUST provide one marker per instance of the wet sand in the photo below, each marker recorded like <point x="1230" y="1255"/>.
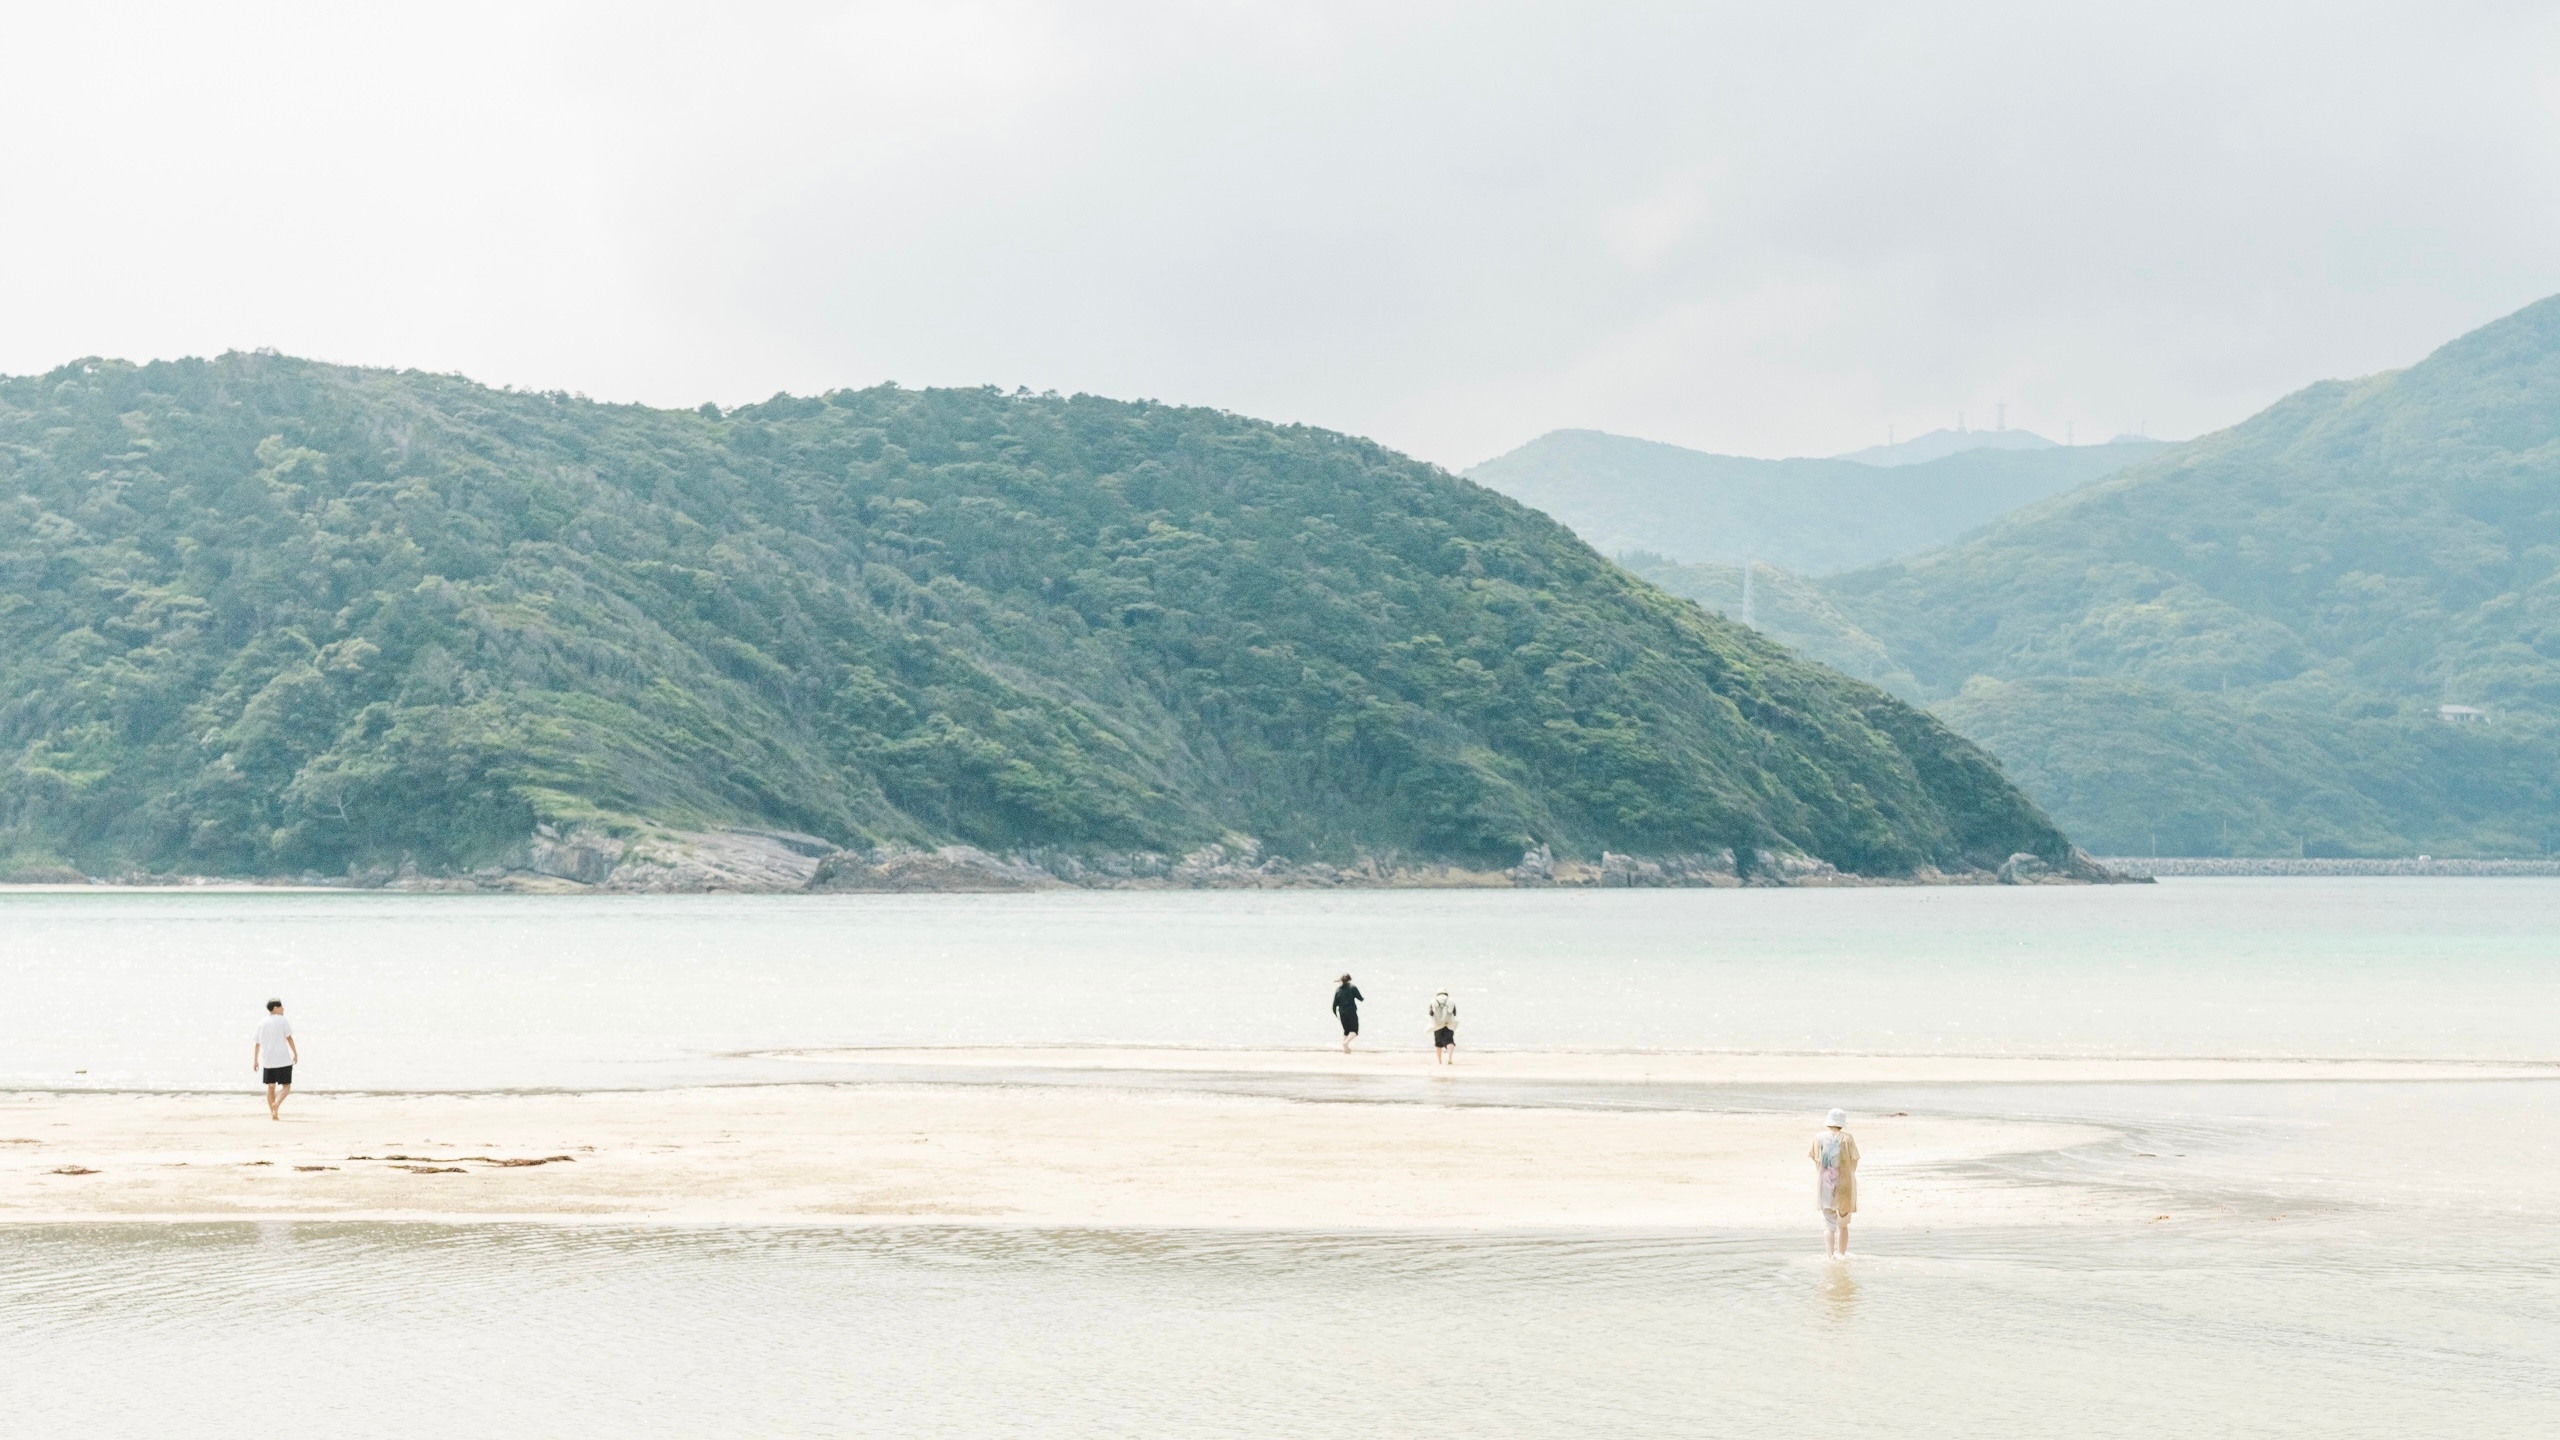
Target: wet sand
<point x="1089" y="1155"/>
<point x="1688" y="1067"/>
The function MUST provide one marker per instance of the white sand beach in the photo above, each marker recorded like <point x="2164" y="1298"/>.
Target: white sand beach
<point x="1085" y="1155"/>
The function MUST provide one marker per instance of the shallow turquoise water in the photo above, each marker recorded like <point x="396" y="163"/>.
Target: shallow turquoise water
<point x="440" y="992"/>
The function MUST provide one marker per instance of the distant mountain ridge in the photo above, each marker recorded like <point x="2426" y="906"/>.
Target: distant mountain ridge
<point x="1809" y="516"/>
<point x="1939" y="444"/>
<point x="261" y="615"/>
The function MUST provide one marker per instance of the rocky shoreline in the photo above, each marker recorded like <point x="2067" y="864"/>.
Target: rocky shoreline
<point x="773" y="862"/>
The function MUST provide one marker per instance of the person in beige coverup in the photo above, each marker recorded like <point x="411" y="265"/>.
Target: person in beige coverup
<point x="1834" y="1154"/>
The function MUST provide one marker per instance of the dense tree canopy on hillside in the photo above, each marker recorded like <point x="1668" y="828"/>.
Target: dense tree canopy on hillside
<point x="2291" y="599"/>
<point x="259" y="614"/>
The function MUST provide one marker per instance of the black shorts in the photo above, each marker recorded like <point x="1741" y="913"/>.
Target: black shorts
<point x="1350" y="1023"/>
<point x="279" y="1074"/>
<point x="1443" y="1039"/>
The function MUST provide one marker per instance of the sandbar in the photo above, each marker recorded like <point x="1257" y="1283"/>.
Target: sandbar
<point x="1090" y="1155"/>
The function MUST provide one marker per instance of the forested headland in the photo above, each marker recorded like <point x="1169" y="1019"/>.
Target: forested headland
<point x="261" y="616"/>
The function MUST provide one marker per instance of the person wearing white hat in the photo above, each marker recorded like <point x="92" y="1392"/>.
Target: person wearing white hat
<point x="1444" y="1029"/>
<point x="1835" y="1182"/>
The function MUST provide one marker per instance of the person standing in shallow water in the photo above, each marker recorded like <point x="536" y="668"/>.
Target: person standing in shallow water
<point x="1835" y="1182"/>
<point x="1346" y="1008"/>
<point x="273" y="1054"/>
<point x="1444" y="1029"/>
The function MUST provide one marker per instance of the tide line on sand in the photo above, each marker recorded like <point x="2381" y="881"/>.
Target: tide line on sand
<point x="1686" y="1067"/>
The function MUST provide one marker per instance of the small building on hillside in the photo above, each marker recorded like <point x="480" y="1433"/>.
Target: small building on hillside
<point x="2462" y="715"/>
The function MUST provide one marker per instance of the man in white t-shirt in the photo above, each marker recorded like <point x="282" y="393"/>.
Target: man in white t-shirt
<point x="274" y="1054"/>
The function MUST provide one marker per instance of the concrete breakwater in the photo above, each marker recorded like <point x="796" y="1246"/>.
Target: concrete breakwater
<point x="2176" y="865"/>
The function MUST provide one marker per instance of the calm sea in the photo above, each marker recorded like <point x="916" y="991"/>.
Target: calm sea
<point x="2411" y="1287"/>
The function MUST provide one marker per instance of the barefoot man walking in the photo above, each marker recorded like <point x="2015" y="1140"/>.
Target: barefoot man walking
<point x="274" y="1054"/>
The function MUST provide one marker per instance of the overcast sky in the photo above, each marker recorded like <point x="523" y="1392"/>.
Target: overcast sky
<point x="1759" y="229"/>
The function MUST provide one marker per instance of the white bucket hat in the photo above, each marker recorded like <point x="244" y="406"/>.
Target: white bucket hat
<point x="1836" y="1119"/>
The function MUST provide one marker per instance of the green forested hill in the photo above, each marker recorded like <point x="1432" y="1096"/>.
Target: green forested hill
<point x="1794" y="610"/>
<point x="1809" y="516"/>
<point x="2240" y="647"/>
<point x="259" y="615"/>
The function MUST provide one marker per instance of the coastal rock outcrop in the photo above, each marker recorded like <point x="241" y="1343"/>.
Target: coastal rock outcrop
<point x="2077" y="868"/>
<point x="950" y="868"/>
<point x="662" y="862"/>
<point x="2024" y="869"/>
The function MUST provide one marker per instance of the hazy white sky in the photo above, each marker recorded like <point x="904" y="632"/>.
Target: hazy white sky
<point x="1755" y="228"/>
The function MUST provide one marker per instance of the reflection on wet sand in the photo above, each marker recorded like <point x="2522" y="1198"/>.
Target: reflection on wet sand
<point x="676" y="1331"/>
<point x="1839" y="1292"/>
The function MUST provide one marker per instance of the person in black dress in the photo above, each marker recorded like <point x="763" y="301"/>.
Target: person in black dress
<point x="1346" y="1006"/>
